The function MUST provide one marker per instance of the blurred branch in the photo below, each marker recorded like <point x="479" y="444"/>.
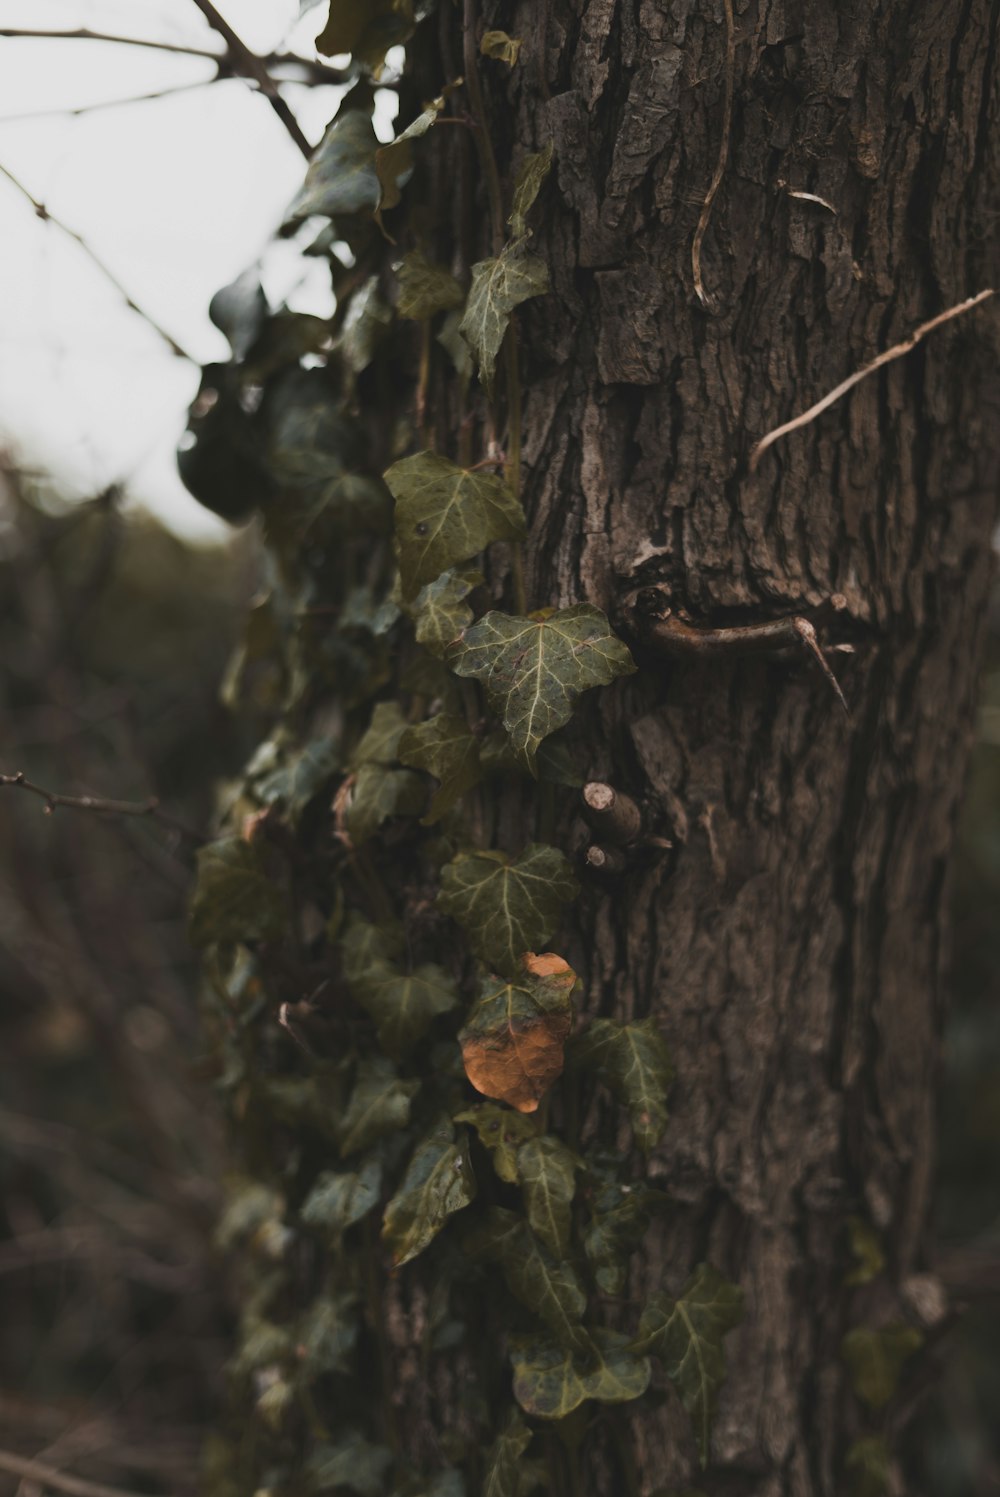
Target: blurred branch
<point x="252" y="66"/>
<point x="101" y="806"/>
<point x="47" y="217"/>
<point x="48" y="1476"/>
<point x="315" y="72"/>
<point x="160" y="93"/>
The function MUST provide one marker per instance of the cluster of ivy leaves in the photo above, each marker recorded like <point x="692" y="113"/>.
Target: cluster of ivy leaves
<point x="394" y="1039"/>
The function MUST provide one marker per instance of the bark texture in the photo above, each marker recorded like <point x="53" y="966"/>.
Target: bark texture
<point x="791" y="942"/>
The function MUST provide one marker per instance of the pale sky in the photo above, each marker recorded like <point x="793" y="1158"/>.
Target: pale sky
<point x="177" y="195"/>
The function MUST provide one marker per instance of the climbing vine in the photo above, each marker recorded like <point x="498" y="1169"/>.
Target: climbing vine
<point x="426" y="1129"/>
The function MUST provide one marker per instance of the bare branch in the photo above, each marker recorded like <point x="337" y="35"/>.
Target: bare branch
<point x="101" y="806"/>
<point x="67" y="113"/>
<point x="315" y="72"/>
<point x="720" y="165"/>
<point x="47" y="217"/>
<point x="896" y="352"/>
<point x="49" y="1476"/>
<point x="253" y="67"/>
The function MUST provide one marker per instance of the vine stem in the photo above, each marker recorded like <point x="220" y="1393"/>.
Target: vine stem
<point x="512" y="466"/>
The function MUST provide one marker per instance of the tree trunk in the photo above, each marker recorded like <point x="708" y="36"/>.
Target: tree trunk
<point x="742" y="211"/>
<point x="792" y="940"/>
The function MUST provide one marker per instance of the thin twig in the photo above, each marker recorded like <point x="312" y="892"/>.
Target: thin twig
<point x="317" y="72"/>
<point x="720" y="165"/>
<point x="49" y="1476"/>
<point x="47" y="217"/>
<point x="102" y="806"/>
<point x="896" y="352"/>
<point x="160" y="93"/>
<point x="253" y="66"/>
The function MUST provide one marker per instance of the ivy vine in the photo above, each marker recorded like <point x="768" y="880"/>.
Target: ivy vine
<point x="394" y="1039"/>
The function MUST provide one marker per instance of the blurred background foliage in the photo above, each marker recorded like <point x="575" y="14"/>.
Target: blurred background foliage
<point x="115" y="636"/>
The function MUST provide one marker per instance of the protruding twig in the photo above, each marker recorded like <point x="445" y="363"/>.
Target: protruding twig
<point x="607" y="860"/>
<point x="315" y="72"/>
<point x="896" y="352"/>
<point x="807" y="634"/>
<point x="613" y="815"/>
<point x="50" y="1476"/>
<point x="109" y="275"/>
<point x="101" y="806"/>
<point x="720" y="165"/>
<point x="253" y="67"/>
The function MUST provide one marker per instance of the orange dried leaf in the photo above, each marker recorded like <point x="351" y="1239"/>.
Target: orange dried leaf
<point x="513" y="1041"/>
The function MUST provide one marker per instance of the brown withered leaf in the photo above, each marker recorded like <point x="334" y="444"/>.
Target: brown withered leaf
<point x="513" y="1040"/>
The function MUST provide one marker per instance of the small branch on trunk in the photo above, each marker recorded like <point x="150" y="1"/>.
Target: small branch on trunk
<point x="254" y="67"/>
<point x="614" y="816"/>
<point x="896" y="352"/>
<point x="609" y="861"/>
<point x="49" y="1476"/>
<point x="109" y="275"/>
<point x="100" y="806"/>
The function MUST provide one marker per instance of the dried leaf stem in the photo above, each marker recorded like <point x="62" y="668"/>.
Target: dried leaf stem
<point x="512" y="466"/>
<point x="109" y="275"/>
<point x="896" y="352"/>
<point x="720" y="165"/>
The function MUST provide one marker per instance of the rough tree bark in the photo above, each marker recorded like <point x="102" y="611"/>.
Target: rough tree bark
<point x="792" y="941"/>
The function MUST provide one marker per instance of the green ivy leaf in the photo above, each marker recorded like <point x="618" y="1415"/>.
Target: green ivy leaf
<point x="634" y="1062"/>
<point x="527" y="185"/>
<point x="535" y="668"/>
<point x="502" y="1131"/>
<point x="445" y="514"/>
<point x="455" y="346"/>
<point x="379" y="1104"/>
<point x="327" y="1335"/>
<point x="366" y="29"/>
<point x="379" y="794"/>
<point x="240" y="310"/>
<point x="686" y="1334"/>
<point x="549" y="1289"/>
<point x="445" y="747"/>
<point x="440" y="612"/>
<point x="547" y="1170"/>
<point x="866" y="1249"/>
<point x="403" y="1005"/>
<point x="869" y="1463"/>
<point x="235" y="899"/>
<point x="301" y="777"/>
<point x="380" y="740"/>
<point x="365" y="326"/>
<point x="550" y="1382"/>
<point x="395" y="160"/>
<point x="503" y="1463"/>
<point x="425" y="289"/>
<point x="875" y="1359"/>
<point x="498" y="287"/>
<point x="337" y="1202"/>
<point x="512" y="1042"/>
<point x="507" y="907"/>
<point x="341" y="176"/>
<point x="501" y="46"/>
<point x="620" y="1215"/>
<point x="438" y="1182"/>
<point x="353" y="1463"/>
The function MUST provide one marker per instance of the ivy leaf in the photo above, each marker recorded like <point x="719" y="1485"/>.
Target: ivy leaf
<point x="535" y="668"/>
<point x="366" y="29"/>
<point x="455" y="346"/>
<point x="445" y="514"/>
<point x="512" y="1042"/>
<point x="337" y="1202"/>
<point x="527" y="185"/>
<point x="549" y="1289"/>
<point x="425" y="288"/>
<point x="402" y="1005"/>
<point x="507" y="908"/>
<point x="503" y="1463"/>
<point x="379" y="794"/>
<point x="445" y="747"/>
<point x="235" y="899"/>
<point x="502" y="1132"/>
<point x="341" y="176"/>
<point x="327" y="1335"/>
<point x="875" y="1359"/>
<point x="501" y="46"/>
<point x="240" y="310"/>
<point x="365" y="326"/>
<point x="381" y="738"/>
<point x="548" y="1183"/>
<point x="354" y="1463"/>
<point x="869" y="1463"/>
<point x="620" y="1215"/>
<point x="686" y="1334"/>
<point x="438" y="1182"/>
<point x="550" y="1382"/>
<point x="395" y="160"/>
<point x="379" y="1104"/>
<point x="440" y="612"/>
<point x="866" y="1249"/>
<point x="498" y="287"/>
<point x="301" y="777"/>
<point x="634" y="1062"/>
